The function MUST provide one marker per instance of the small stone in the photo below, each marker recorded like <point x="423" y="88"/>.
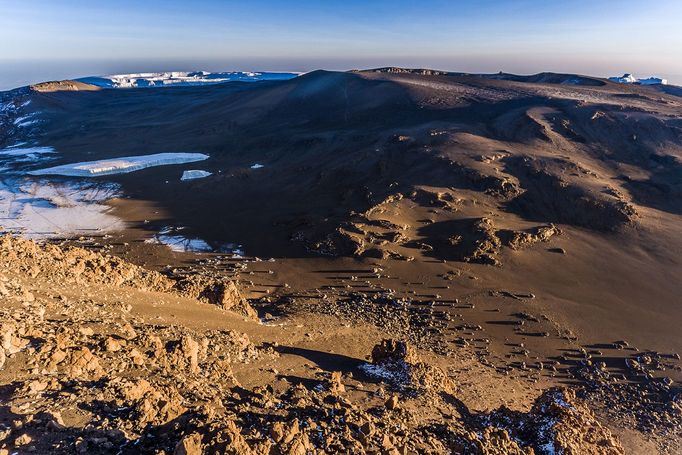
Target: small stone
<point x="190" y="350"/>
<point x="112" y="345"/>
<point x="55" y="421"/>
<point x="367" y="429"/>
<point x="137" y="357"/>
<point x="392" y="403"/>
<point x="37" y="386"/>
<point x="277" y="431"/>
<point x="189" y="445"/>
<point x="23" y="440"/>
<point x="336" y="387"/>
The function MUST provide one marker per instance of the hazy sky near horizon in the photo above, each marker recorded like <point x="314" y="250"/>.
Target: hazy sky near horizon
<point x="54" y="39"/>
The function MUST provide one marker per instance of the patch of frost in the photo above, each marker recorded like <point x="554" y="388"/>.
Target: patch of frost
<point x="28" y="123"/>
<point x="194" y="174"/>
<point x="395" y="376"/>
<point x="172" y="237"/>
<point x="179" y="243"/>
<point x="18" y="154"/>
<point x="19" y="120"/>
<point x="27" y="152"/>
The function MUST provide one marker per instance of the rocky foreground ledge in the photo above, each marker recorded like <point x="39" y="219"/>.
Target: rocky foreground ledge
<point x="81" y="371"/>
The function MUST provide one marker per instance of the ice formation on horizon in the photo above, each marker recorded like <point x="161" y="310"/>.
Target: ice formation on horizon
<point x="120" y="165"/>
<point x="652" y="81"/>
<point x="628" y="78"/>
<point x="180" y="78"/>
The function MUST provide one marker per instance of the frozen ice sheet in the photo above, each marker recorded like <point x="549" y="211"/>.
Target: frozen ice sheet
<point x="194" y="174"/>
<point x="120" y="165"/>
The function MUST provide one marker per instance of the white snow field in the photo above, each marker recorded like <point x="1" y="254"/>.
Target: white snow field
<point x="194" y="174"/>
<point x="181" y="78"/>
<point x="120" y="165"/>
<point x="38" y="208"/>
<point x="42" y="209"/>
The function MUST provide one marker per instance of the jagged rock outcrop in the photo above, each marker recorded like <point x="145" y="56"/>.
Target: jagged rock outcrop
<point x="221" y="292"/>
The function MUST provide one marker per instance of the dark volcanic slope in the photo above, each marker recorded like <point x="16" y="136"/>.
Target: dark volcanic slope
<point x="551" y="148"/>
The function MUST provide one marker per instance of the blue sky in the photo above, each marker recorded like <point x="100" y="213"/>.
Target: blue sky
<point x="46" y="39"/>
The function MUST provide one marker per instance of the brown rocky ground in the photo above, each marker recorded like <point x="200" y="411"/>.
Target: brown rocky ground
<point x="100" y="356"/>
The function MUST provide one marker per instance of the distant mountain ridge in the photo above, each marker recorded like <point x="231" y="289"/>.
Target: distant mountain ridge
<point x="181" y="78"/>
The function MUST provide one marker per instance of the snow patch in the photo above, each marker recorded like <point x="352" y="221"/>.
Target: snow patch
<point x="194" y="174"/>
<point x="42" y="209"/>
<point x="11" y="156"/>
<point x="120" y="165"/>
<point x="20" y="120"/>
<point x="181" y="244"/>
<point x="388" y="373"/>
<point x="257" y="166"/>
<point x="25" y="123"/>
<point x="7" y="107"/>
<point x="174" y="239"/>
<point x="22" y="154"/>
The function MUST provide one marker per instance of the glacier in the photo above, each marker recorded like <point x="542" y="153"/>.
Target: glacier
<point x="120" y="165"/>
<point x="181" y="78"/>
<point x="628" y="78"/>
